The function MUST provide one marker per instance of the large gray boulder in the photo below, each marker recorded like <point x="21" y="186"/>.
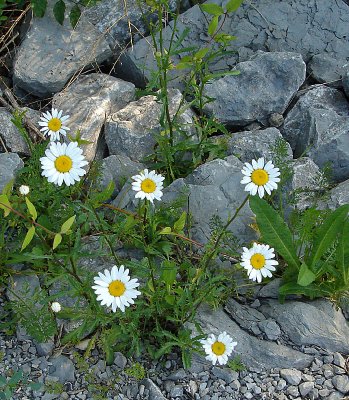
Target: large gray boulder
<point x="336" y="197"/>
<point x="132" y="131"/>
<point x="318" y="125"/>
<point x="266" y="84"/>
<point x="10" y="163"/>
<point x="316" y="323"/>
<point x="298" y="26"/>
<point x="248" y="145"/>
<point x="254" y="352"/>
<point x="345" y="83"/>
<point x="325" y="68"/>
<point x="89" y="101"/>
<point x="10" y="134"/>
<point x="51" y="54"/>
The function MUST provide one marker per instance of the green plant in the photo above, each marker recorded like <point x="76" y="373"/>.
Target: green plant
<point x="136" y="371"/>
<point x="9" y="384"/>
<point x="235" y="364"/>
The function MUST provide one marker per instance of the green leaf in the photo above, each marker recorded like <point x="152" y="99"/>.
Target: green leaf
<point x="3" y="381"/>
<point x="311" y="290"/>
<point x="342" y="255"/>
<point x="74" y="15"/>
<point x="169" y="272"/>
<point x="233" y="5"/>
<point x="31" y="208"/>
<point x="213" y="9"/>
<point x="57" y="240"/>
<point x="201" y="53"/>
<point x="8" y="187"/>
<point x="274" y="230"/>
<point x="35" y="385"/>
<point x="166" y="231"/>
<point x="58" y="11"/>
<point x="305" y="276"/>
<point x="170" y="299"/>
<point x="212" y="25"/>
<point x="105" y="194"/>
<point x="28" y="237"/>
<point x="180" y="223"/>
<point x="15" y="378"/>
<point x="5" y="204"/>
<point x="327" y="232"/>
<point x="39" y="7"/>
<point x="67" y="224"/>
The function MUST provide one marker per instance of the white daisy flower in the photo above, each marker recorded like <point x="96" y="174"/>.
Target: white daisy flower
<point x="218" y="349"/>
<point x="24" y="190"/>
<point x="259" y="261"/>
<point x="115" y="288"/>
<point x="63" y="163"/>
<point x="260" y="177"/>
<point x="53" y="124"/>
<point x="56" y="307"/>
<point x="148" y="185"/>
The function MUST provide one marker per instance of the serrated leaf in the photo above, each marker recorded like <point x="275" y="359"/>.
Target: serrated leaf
<point x="39" y="7"/>
<point x="31" y="208"/>
<point x="327" y="232"/>
<point x="28" y="237"/>
<point x="233" y="5"/>
<point x="180" y="223"/>
<point x="74" y="15"/>
<point x="212" y="26"/>
<point x="342" y="255"/>
<point x="67" y="224"/>
<point x="58" y="11"/>
<point x="57" y="240"/>
<point x="305" y="276"/>
<point x="5" y="204"/>
<point x="213" y="9"/>
<point x="274" y="230"/>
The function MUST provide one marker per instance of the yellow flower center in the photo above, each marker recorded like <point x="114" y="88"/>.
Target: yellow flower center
<point x="63" y="163"/>
<point x="117" y="288"/>
<point x="148" y="186"/>
<point x="54" y="124"/>
<point x="218" y="348"/>
<point x="257" y="261"/>
<point x="260" y="177"/>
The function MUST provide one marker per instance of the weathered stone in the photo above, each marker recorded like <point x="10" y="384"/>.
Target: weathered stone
<point x="341" y="383"/>
<point x="275" y="78"/>
<point x="337" y="196"/>
<point x="225" y="374"/>
<point x="271" y="289"/>
<point x="326" y="69"/>
<point x="10" y="163"/>
<point x="318" y="124"/>
<point x="254" y="352"/>
<point x="132" y="131"/>
<point x="292" y="376"/>
<point x="89" y="100"/>
<point x="62" y="368"/>
<point x="23" y="287"/>
<point x="10" y="134"/>
<point x="118" y="168"/>
<point x="339" y="360"/>
<point x="248" y="145"/>
<point x="51" y="53"/>
<point x="46" y="348"/>
<point x="154" y="391"/>
<point x="247" y="317"/>
<point x="345" y="83"/>
<point x="297" y="26"/>
<point x="120" y="360"/>
<point x="315" y="323"/>
<point x="270" y="328"/>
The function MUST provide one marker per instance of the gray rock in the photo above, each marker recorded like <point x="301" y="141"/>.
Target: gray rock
<point x="62" y="368"/>
<point x="225" y="374"/>
<point x="254" y="352"/>
<point x="44" y="349"/>
<point x="314" y="323"/>
<point x="345" y="83"/>
<point x="248" y="145"/>
<point x="325" y="68"/>
<point x="339" y="360"/>
<point x="22" y="286"/>
<point x="275" y="78"/>
<point x="132" y="130"/>
<point x="247" y="317"/>
<point x="120" y="360"/>
<point x="292" y="391"/>
<point x="89" y="100"/>
<point x="11" y="135"/>
<point x="341" y="383"/>
<point x="178" y="375"/>
<point x="271" y="289"/>
<point x="292" y="376"/>
<point x="10" y="163"/>
<point x="176" y="391"/>
<point x="337" y="196"/>
<point x="318" y="124"/>
<point x="270" y="328"/>
<point x="276" y="120"/>
<point x="118" y="168"/>
<point x="297" y="26"/>
<point x="154" y="391"/>
<point x="51" y="54"/>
